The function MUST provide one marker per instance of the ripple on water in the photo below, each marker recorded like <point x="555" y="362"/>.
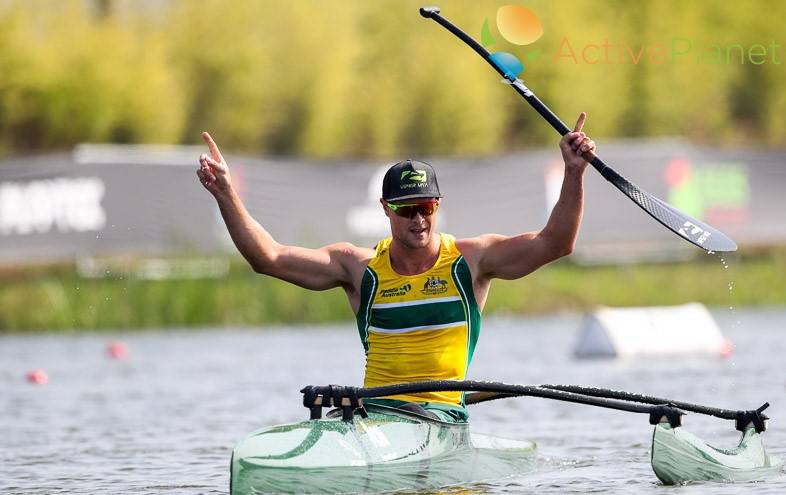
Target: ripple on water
<point x="165" y="420"/>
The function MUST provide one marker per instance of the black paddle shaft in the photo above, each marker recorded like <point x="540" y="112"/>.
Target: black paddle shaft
<point x="691" y="229"/>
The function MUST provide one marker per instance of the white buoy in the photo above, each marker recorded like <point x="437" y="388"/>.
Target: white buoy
<point x="686" y="330"/>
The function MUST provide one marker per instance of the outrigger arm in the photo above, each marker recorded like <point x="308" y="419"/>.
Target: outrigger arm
<point x="677" y="456"/>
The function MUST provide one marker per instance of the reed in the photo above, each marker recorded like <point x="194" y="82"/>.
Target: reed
<point x="56" y="298"/>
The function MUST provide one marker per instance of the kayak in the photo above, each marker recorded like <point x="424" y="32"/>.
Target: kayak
<point x="679" y="456"/>
<point x="364" y="447"/>
<point x="388" y="450"/>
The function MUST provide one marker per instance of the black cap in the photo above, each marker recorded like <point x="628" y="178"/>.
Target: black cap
<point x="410" y="179"/>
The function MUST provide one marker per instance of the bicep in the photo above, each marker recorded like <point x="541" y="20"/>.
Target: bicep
<point x="512" y="257"/>
<point x="315" y="269"/>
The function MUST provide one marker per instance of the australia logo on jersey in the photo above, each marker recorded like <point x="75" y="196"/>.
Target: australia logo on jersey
<point x="395" y="291"/>
<point x="434" y="285"/>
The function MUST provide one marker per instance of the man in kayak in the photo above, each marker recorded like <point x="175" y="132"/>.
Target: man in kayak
<point x="418" y="295"/>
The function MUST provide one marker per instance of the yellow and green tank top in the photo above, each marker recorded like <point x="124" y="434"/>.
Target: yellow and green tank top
<point x="418" y="327"/>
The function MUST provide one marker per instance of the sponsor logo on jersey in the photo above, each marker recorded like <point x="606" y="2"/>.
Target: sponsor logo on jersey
<point x="434" y="285"/>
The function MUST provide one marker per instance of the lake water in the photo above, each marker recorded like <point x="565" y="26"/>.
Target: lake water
<point x="165" y="419"/>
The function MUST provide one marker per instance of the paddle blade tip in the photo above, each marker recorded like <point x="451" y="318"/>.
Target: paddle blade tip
<point x="720" y="244"/>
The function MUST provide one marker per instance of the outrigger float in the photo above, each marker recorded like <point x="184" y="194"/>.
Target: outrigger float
<point x="361" y="448"/>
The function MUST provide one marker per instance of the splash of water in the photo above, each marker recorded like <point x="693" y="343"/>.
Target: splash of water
<point x="730" y="287"/>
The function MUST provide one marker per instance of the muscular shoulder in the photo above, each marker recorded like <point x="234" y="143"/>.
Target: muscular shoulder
<point x="353" y="258"/>
<point x="472" y="248"/>
<point x="349" y="253"/>
<point x="495" y="255"/>
<point x="354" y="261"/>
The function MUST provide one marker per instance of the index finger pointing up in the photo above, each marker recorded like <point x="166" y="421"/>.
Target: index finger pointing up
<point x="214" y="152"/>
<point x="580" y="122"/>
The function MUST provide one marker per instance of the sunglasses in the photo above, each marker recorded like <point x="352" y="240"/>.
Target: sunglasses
<point x="411" y="209"/>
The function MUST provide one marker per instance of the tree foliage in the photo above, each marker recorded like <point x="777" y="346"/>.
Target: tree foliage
<point x="359" y="78"/>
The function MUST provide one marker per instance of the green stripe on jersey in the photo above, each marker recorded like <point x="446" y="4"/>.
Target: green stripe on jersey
<point x="463" y="280"/>
<point x="368" y="287"/>
<point x="419" y="315"/>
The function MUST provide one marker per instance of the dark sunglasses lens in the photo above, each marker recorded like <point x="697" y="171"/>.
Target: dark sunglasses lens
<point x="406" y="211"/>
<point x="410" y="211"/>
<point x="427" y="209"/>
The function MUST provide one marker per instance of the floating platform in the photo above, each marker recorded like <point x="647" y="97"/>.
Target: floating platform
<point x="660" y="331"/>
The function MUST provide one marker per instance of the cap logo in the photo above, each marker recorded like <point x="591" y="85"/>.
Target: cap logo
<point x="413" y="176"/>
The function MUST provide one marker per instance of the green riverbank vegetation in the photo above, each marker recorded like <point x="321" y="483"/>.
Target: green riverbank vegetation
<point x="62" y="298"/>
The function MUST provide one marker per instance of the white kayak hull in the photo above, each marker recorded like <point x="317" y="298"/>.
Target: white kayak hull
<point x="679" y="457"/>
<point x="389" y="450"/>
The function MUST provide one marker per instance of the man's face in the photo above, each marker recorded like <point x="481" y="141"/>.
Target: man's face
<point x="412" y="222"/>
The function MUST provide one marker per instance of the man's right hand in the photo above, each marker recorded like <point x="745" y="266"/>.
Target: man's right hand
<point x="213" y="171"/>
<point x="577" y="148"/>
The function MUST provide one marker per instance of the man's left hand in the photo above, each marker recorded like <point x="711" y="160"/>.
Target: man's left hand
<point x="577" y="148"/>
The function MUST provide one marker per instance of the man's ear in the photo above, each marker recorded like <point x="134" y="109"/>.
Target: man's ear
<point x="382" y="202"/>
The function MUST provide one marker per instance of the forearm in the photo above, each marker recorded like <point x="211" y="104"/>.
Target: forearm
<point x="562" y="227"/>
<point x="254" y="242"/>
<point x="513" y="257"/>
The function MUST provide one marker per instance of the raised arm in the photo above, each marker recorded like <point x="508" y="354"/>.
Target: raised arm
<point x="512" y="257"/>
<point x="337" y="265"/>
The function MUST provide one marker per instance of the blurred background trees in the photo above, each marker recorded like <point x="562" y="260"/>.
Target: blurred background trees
<point x="358" y="78"/>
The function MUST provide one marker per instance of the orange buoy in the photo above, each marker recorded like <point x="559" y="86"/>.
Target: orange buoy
<point x="37" y="377"/>
<point x="117" y="350"/>
<point x="728" y="348"/>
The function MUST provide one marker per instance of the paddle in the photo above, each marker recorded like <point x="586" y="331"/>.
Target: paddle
<point x="692" y="230"/>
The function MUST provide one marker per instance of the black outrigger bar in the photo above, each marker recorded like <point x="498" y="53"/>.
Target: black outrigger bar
<point x="660" y="410"/>
<point x="743" y="419"/>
